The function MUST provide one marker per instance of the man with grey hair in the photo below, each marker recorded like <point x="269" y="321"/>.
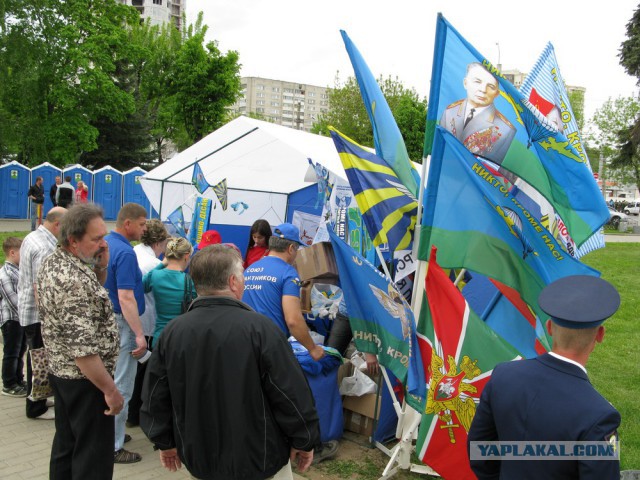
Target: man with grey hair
<point x="81" y="335"/>
<point x="35" y="248"/>
<point x="224" y="393"/>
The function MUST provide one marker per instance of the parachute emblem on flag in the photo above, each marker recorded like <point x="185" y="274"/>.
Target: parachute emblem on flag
<point x="396" y="306"/>
<point x="514" y="223"/>
<point x="450" y="395"/>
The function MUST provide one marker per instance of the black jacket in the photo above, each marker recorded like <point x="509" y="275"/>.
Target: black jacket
<point x="224" y="387"/>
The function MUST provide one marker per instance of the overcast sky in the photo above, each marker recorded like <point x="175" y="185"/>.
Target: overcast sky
<point x="300" y="41"/>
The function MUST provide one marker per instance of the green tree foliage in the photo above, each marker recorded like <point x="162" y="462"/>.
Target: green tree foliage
<point x="612" y="127"/>
<point x="630" y="48"/>
<point x="204" y="82"/>
<point x="347" y="113"/>
<point x="57" y="61"/>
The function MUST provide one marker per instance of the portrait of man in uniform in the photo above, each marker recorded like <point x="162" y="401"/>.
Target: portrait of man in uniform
<point x="475" y="121"/>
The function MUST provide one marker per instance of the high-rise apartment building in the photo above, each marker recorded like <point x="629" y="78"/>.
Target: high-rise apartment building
<point x="291" y="104"/>
<point x="160" y="11"/>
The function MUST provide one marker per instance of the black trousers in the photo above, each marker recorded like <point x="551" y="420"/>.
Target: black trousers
<point x="34" y="340"/>
<point x="15" y="344"/>
<point x="83" y="443"/>
<point x="135" y="403"/>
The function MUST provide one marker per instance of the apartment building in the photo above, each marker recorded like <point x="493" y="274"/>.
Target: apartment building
<point x="160" y="11"/>
<point x="291" y="104"/>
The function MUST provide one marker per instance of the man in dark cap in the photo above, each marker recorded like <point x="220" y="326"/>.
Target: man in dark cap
<point x="549" y="398"/>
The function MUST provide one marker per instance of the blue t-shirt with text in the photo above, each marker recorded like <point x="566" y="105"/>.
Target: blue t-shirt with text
<point x="265" y="283"/>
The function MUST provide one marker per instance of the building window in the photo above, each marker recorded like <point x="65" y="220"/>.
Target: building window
<point x="288" y="90"/>
<point x="275" y="95"/>
<point x="157" y="2"/>
<point x="275" y="112"/>
<point x="275" y="89"/>
<point x="310" y="102"/>
<point x="259" y="110"/>
<point x="260" y="94"/>
<point x="275" y="104"/>
<point x="311" y="94"/>
<point x="259" y="102"/>
<point x="324" y="103"/>
<point x="259" y="87"/>
<point x="324" y="95"/>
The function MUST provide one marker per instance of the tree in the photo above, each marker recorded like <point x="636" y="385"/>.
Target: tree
<point x="203" y="83"/>
<point x="57" y="61"/>
<point x="347" y="113"/>
<point x="611" y="128"/>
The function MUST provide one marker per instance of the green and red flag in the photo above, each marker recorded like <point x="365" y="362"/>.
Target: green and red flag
<point x="459" y="352"/>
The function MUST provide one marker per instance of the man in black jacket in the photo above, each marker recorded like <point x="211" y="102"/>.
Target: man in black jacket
<point x="36" y="195"/>
<point x="224" y="393"/>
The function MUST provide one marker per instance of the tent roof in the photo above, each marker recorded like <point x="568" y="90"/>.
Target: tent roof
<point x="252" y="155"/>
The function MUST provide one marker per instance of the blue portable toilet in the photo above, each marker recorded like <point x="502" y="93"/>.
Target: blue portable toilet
<point x="107" y="191"/>
<point x="78" y="172"/>
<point x="15" y="180"/>
<point x="132" y="190"/>
<point x="48" y="173"/>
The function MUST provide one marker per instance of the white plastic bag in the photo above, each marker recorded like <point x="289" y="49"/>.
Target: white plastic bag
<point x="327" y="300"/>
<point x="357" y="384"/>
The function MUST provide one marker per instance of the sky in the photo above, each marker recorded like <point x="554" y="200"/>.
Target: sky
<point x="300" y="41"/>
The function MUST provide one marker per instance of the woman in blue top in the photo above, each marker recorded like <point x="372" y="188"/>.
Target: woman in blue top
<point x="167" y="282"/>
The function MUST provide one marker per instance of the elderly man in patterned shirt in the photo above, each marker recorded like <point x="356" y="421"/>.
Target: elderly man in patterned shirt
<point x="35" y="248"/>
<point x="80" y="332"/>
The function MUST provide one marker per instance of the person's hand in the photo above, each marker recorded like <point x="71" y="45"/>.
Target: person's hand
<point x="141" y="346"/>
<point x="301" y="459"/>
<point x="317" y="352"/>
<point x="373" y="367"/>
<point x="115" y="402"/>
<point x="102" y="258"/>
<point x="170" y="460"/>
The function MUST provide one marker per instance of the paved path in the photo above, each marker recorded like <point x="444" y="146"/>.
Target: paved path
<point x="25" y="448"/>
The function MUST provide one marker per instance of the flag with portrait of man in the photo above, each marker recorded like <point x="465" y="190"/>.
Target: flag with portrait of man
<point x="482" y="109"/>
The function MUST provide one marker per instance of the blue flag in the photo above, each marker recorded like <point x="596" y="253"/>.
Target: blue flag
<point x="198" y="180"/>
<point x="545" y="89"/>
<point x="177" y="220"/>
<point x="381" y="319"/>
<point x="471" y="99"/>
<point x="388" y="209"/>
<point x="477" y="224"/>
<point x="200" y="220"/>
<point x="386" y="134"/>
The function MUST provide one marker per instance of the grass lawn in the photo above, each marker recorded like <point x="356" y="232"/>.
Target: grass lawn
<point x="614" y="365"/>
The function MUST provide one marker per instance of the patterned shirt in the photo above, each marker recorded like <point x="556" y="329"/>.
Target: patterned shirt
<point x="8" y="293"/>
<point x="77" y="315"/>
<point x="34" y="249"/>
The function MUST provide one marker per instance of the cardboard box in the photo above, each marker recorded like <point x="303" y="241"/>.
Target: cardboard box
<point x="316" y="261"/>
<point x="359" y="413"/>
<point x="305" y="290"/>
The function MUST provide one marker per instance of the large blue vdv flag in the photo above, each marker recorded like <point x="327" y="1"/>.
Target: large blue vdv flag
<point x="388" y="209"/>
<point x="177" y="220"/>
<point x="381" y="319"/>
<point x="477" y="224"/>
<point x="387" y="138"/>
<point x="471" y="99"/>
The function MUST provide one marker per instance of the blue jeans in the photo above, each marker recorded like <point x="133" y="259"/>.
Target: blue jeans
<point x="36" y="215"/>
<point x="125" y="376"/>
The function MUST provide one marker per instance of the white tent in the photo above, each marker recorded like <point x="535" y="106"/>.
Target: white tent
<point x="262" y="162"/>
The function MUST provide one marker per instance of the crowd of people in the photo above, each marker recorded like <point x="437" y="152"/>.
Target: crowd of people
<point x="202" y="363"/>
<point x="61" y="194"/>
<point x="133" y="339"/>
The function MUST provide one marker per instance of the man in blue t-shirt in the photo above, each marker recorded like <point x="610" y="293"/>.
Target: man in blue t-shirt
<point x="272" y="287"/>
<point x="124" y="283"/>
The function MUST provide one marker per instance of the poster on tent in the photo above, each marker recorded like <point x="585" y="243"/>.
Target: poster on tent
<point x="341" y="197"/>
<point x="307" y="224"/>
<point x="200" y="220"/>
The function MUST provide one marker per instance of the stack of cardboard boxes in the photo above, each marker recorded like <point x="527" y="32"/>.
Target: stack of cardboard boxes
<point x="315" y="264"/>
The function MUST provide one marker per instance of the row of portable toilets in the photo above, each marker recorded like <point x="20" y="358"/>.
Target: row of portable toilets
<point x="108" y="187"/>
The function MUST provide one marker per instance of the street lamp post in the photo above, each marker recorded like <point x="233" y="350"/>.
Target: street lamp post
<point x="499" y="64"/>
